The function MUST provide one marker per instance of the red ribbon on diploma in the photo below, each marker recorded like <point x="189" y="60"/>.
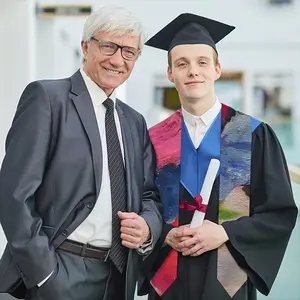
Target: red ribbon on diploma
<point x="191" y="207"/>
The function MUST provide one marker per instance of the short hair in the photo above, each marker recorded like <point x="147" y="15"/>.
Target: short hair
<point x="216" y="59"/>
<point x="114" y="20"/>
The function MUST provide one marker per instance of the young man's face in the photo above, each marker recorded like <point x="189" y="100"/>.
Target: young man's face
<point x="194" y="70"/>
<point x="108" y="71"/>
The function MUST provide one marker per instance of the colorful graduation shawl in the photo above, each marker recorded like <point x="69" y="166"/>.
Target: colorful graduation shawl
<point x="180" y="180"/>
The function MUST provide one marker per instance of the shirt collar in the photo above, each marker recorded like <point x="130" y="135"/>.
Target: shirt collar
<point x="97" y="94"/>
<point x="207" y="118"/>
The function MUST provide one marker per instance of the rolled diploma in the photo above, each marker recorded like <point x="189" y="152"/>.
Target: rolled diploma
<point x="209" y="180"/>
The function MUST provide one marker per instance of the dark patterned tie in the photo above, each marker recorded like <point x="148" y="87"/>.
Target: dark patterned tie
<point x="118" y="253"/>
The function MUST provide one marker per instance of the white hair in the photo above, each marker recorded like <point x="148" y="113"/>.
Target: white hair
<point x="114" y="20"/>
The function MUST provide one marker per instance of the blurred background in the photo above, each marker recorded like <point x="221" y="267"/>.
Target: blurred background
<point x="260" y="62"/>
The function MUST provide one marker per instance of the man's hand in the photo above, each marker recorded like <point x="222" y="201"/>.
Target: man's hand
<point x="175" y="237"/>
<point x="134" y="230"/>
<point x="208" y="236"/>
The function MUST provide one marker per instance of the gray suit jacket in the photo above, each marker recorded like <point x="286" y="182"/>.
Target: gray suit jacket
<point x="51" y="176"/>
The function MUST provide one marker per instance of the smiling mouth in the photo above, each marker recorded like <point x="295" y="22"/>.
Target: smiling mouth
<point x="194" y="82"/>
<point x="116" y="72"/>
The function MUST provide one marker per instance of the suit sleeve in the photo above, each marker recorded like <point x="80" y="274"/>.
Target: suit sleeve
<point x="23" y="168"/>
<point x="151" y="204"/>
<point x="258" y="242"/>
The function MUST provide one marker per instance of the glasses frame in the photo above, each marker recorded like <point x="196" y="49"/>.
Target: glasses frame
<point x="138" y="51"/>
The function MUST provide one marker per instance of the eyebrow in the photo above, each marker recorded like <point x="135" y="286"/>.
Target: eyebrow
<point x="185" y="59"/>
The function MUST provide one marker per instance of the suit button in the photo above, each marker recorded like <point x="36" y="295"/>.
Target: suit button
<point x="65" y="232"/>
<point x="90" y="205"/>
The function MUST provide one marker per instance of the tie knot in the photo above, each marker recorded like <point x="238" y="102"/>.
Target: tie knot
<point x="109" y="104"/>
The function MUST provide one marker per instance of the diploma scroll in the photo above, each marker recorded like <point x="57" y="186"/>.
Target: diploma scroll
<point x="209" y="180"/>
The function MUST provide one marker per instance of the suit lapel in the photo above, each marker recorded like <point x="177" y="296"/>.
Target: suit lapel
<point x="128" y="151"/>
<point x="84" y="106"/>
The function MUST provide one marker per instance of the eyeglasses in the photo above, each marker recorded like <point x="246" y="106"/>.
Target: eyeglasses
<point x="110" y="48"/>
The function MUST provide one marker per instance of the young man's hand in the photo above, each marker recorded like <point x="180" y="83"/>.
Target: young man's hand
<point x="174" y="238"/>
<point x="208" y="236"/>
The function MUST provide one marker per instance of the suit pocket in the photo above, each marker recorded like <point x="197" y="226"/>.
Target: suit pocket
<point x="49" y="280"/>
<point x="50" y="289"/>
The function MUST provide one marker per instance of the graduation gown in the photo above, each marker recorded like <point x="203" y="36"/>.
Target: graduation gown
<point x="257" y="242"/>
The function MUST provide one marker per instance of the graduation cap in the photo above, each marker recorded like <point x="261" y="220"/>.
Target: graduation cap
<point x="190" y="29"/>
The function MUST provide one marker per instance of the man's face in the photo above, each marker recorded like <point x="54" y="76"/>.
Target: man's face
<point x="194" y="71"/>
<point x="108" y="71"/>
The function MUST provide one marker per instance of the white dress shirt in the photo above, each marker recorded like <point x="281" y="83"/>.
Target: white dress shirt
<point x="198" y="125"/>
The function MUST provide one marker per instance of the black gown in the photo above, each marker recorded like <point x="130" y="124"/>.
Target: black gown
<point x="257" y="243"/>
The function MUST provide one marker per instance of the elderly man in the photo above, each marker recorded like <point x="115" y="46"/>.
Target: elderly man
<point x="78" y="203"/>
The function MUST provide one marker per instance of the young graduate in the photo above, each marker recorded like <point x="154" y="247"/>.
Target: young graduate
<point x="251" y="211"/>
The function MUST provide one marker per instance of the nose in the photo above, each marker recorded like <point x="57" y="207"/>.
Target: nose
<point x="117" y="60"/>
<point x="193" y="70"/>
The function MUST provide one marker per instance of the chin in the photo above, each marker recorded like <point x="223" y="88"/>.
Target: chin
<point x="112" y="84"/>
<point x="196" y="96"/>
<point x="196" y="93"/>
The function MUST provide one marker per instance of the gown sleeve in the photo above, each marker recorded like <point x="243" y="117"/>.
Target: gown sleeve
<point x="258" y="242"/>
<point x="153" y="261"/>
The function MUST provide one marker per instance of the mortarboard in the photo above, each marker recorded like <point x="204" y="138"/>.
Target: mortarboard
<point x="190" y="29"/>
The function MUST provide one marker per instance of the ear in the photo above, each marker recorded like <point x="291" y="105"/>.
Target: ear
<point x="218" y="72"/>
<point x="84" y="48"/>
<point x="170" y="76"/>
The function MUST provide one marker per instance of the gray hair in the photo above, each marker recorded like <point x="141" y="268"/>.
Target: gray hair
<point x="114" y="20"/>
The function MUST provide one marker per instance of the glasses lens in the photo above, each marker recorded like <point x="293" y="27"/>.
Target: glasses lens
<point x="129" y="53"/>
<point x="108" y="48"/>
